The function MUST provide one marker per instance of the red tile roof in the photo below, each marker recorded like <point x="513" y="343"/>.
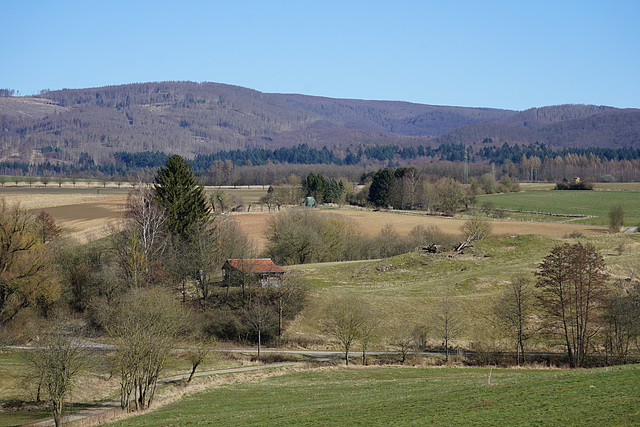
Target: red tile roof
<point x="261" y="265"/>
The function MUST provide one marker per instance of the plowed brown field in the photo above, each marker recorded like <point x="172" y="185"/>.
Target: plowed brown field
<point x="85" y="214"/>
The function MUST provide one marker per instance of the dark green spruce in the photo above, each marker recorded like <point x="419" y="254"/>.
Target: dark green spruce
<point x="177" y="190"/>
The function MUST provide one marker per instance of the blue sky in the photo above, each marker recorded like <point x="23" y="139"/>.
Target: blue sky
<point x="503" y="54"/>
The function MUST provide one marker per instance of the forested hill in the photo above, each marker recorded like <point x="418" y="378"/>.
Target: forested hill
<point x="201" y="118"/>
<point x="564" y="126"/>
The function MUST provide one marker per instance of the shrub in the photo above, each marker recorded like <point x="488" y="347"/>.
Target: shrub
<point x="301" y="236"/>
<point x="616" y="218"/>
<point x="476" y="228"/>
<point x="359" y="198"/>
<point x="488" y="207"/>
<point x="432" y="235"/>
<point x="224" y="325"/>
<point x="581" y="185"/>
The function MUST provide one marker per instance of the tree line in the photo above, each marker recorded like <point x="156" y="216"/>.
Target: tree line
<point x="535" y="162"/>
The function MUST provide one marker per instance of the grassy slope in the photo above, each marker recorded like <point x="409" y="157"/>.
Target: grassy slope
<point x="405" y="288"/>
<point x="414" y="396"/>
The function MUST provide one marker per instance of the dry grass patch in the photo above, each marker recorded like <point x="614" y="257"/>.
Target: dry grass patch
<point x="84" y="212"/>
<point x="371" y="222"/>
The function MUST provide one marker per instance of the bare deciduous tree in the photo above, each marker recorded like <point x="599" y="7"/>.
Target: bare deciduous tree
<point x="144" y="326"/>
<point x="270" y="199"/>
<point x="288" y="194"/>
<point x="289" y="298"/>
<point x="56" y="364"/>
<point x="300" y="236"/>
<point x="404" y="340"/>
<point x="616" y="218"/>
<point x="447" y="323"/>
<point x="344" y="320"/>
<point x="142" y="238"/>
<point x="369" y="331"/>
<point x="476" y="228"/>
<point x="259" y="317"/>
<point x="149" y="218"/>
<point x="219" y="200"/>
<point x="26" y="272"/>
<point x="46" y="227"/>
<point x="450" y="195"/>
<point x="197" y="356"/>
<point x="572" y="280"/>
<point x="513" y="310"/>
<point x="622" y="322"/>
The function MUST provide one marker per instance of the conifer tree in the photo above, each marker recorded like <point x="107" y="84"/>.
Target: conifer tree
<point x="379" y="192"/>
<point x="184" y="200"/>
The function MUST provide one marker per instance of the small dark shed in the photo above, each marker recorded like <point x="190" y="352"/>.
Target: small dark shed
<point x="309" y="202"/>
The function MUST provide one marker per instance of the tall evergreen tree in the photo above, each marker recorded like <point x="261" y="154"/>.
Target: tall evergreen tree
<point x="380" y="190"/>
<point x="184" y="200"/>
<point x="315" y="186"/>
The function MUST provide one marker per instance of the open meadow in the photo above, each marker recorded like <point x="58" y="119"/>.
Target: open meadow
<point x="595" y="205"/>
<point x="404" y="290"/>
<point x="414" y="396"/>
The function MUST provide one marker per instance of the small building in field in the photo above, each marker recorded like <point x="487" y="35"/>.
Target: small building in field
<point x="309" y="202"/>
<point x="262" y="272"/>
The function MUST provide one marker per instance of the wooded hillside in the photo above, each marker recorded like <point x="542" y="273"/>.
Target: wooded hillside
<point x="190" y="118"/>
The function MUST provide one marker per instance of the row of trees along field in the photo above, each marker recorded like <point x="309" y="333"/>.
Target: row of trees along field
<point x="535" y="162"/>
<point x="400" y="188"/>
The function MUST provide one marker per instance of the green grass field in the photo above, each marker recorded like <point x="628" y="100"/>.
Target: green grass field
<point x="94" y="385"/>
<point x="404" y="289"/>
<point x="415" y="396"/>
<point x="597" y="204"/>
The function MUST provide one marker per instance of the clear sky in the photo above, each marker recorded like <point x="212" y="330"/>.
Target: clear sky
<point x="512" y="54"/>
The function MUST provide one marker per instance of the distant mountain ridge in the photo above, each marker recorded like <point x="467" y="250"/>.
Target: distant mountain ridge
<point x="190" y="118"/>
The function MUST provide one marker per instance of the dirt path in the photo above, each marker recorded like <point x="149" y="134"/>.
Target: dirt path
<point x="103" y="410"/>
